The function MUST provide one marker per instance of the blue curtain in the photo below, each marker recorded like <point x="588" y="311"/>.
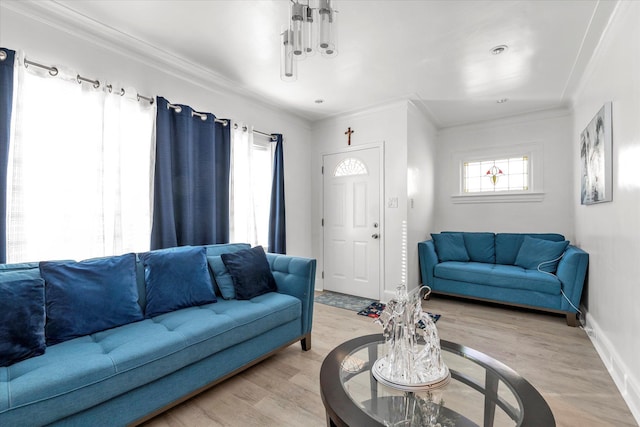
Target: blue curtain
<point x="277" y="229"/>
<point x="191" y="183"/>
<point x="6" y="97"/>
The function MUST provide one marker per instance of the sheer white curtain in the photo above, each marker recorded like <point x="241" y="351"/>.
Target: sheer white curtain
<point x="79" y="169"/>
<point x="251" y="168"/>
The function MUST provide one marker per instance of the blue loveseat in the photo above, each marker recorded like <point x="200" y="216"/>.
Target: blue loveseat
<point x="184" y="344"/>
<point x="540" y="271"/>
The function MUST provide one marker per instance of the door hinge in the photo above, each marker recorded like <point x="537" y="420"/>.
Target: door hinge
<point x="323" y="274"/>
<point x="322" y="222"/>
<point x="322" y="170"/>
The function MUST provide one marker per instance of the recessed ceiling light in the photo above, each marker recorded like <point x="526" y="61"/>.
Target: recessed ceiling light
<point x="319" y="101"/>
<point x="502" y="100"/>
<point x="499" y="49"/>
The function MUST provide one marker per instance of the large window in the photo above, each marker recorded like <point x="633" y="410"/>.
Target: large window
<point x="251" y="178"/>
<point x="79" y="170"/>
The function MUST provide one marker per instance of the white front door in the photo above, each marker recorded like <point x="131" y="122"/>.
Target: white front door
<point x="352" y="229"/>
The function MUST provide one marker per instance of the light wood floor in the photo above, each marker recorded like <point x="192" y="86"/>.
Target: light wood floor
<point x="558" y="360"/>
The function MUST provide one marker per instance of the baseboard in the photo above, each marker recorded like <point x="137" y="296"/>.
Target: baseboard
<point x="628" y="385"/>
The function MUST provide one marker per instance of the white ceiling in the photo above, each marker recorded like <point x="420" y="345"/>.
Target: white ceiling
<point x="436" y="53"/>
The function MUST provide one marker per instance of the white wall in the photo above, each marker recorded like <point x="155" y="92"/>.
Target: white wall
<point x="387" y="125"/>
<point x="549" y="129"/>
<point x="103" y="55"/>
<point x="610" y="232"/>
<point x="421" y="186"/>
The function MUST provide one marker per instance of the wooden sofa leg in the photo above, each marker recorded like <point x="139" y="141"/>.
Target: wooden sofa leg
<point x="572" y="319"/>
<point x="306" y="342"/>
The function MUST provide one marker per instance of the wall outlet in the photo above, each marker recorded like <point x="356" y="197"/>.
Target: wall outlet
<point x="392" y="202"/>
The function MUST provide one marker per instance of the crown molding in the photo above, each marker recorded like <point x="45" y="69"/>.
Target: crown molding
<point x="64" y="19"/>
<point x="510" y="120"/>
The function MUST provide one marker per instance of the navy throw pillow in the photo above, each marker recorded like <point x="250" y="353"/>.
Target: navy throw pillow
<point x="250" y="272"/>
<point x="450" y="247"/>
<point x="176" y="278"/>
<point x="89" y="296"/>
<point x="540" y="254"/>
<point x="22" y="318"/>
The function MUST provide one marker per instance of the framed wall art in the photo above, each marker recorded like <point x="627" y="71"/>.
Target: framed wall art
<point x="595" y="156"/>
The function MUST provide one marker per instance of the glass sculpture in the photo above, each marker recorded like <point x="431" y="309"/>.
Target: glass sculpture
<point x="412" y="355"/>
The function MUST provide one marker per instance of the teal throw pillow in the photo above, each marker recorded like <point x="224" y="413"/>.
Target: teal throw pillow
<point x="89" y="296"/>
<point x="450" y="247"/>
<point x="176" y="278"/>
<point x="250" y="272"/>
<point x="223" y="279"/>
<point x="22" y="318"/>
<point x="540" y="254"/>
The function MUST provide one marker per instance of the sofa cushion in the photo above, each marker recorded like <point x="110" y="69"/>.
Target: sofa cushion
<point x="22" y="317"/>
<point x="250" y="272"/>
<point x="503" y="276"/>
<point x="176" y="278"/>
<point x="539" y="254"/>
<point x="89" y="296"/>
<point x="92" y="369"/>
<point x="508" y="244"/>
<point x="450" y="247"/>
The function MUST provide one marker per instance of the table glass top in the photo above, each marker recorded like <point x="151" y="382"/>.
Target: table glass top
<point x="475" y="396"/>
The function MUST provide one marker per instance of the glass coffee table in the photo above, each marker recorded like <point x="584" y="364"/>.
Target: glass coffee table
<point x="482" y="392"/>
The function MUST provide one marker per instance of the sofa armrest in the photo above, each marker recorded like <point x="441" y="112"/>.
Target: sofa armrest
<point x="428" y="260"/>
<point x="296" y="276"/>
<point x="572" y="271"/>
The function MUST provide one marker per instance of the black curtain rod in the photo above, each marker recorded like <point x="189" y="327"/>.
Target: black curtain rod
<point x="203" y="116"/>
<point x="268" y="135"/>
<point x="53" y="71"/>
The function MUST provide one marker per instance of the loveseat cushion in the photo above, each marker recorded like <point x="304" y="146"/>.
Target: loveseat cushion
<point x="92" y="369"/>
<point x="503" y="276"/>
<point x="508" y="244"/>
<point x="540" y="254"/>
<point x="450" y="247"/>
<point x="176" y="278"/>
<point x="89" y="296"/>
<point x="480" y="246"/>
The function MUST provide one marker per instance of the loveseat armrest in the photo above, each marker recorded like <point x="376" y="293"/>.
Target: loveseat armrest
<point x="428" y="259"/>
<point x="296" y="276"/>
<point x="572" y="271"/>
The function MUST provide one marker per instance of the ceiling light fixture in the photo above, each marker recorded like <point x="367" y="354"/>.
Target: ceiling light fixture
<point x="499" y="49"/>
<point x="319" y="101"/>
<point x="309" y="29"/>
<point x="502" y="100"/>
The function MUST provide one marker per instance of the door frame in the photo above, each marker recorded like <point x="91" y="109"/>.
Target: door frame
<point x="351" y="149"/>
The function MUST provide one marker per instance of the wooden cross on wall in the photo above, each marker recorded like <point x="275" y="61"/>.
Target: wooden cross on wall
<point x="348" y="133"/>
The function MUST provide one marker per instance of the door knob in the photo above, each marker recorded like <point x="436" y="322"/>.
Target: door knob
<point x="375" y="235"/>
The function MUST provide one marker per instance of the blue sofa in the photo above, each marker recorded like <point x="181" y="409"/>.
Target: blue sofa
<point x="129" y="373"/>
<point x="540" y="271"/>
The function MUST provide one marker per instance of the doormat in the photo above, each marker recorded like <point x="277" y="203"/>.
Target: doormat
<point x="348" y="302"/>
<point x="374" y="310"/>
